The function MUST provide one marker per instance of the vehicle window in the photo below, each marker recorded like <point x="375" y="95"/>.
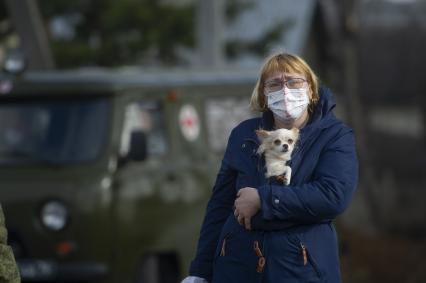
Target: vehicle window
<point x="63" y="131"/>
<point x="148" y="117"/>
<point x="222" y="116"/>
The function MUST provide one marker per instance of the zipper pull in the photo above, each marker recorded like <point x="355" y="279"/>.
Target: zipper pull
<point x="304" y="254"/>
<point x="222" y="251"/>
<point x="257" y="249"/>
<point x="261" y="261"/>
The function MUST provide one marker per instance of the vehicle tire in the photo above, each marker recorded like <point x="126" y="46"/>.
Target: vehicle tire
<point x="158" y="269"/>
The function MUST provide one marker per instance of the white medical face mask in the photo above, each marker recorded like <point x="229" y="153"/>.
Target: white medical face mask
<point x="288" y="104"/>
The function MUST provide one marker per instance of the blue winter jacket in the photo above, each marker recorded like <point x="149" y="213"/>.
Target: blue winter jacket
<point x="293" y="229"/>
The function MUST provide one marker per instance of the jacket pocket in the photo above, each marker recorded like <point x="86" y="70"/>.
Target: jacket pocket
<point x="221" y="249"/>
<point x="296" y="258"/>
<point x="307" y="258"/>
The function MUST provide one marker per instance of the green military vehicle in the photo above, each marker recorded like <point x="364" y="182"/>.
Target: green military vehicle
<point x="104" y="176"/>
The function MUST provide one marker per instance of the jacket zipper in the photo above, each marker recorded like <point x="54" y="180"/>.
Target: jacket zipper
<point x="296" y="151"/>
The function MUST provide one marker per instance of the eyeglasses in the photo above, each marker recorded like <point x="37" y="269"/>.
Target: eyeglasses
<point x="277" y="84"/>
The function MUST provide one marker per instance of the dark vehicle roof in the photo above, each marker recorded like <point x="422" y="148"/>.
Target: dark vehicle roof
<point x="101" y="81"/>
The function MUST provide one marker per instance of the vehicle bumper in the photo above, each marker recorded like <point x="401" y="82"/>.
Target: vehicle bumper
<point x="47" y="270"/>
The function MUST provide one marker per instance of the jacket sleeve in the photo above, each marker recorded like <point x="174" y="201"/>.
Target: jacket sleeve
<point x="218" y="209"/>
<point x="328" y="195"/>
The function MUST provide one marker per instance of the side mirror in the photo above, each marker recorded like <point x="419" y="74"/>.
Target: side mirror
<point x="138" y="146"/>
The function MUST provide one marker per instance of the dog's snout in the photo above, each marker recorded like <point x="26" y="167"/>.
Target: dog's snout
<point x="285" y="148"/>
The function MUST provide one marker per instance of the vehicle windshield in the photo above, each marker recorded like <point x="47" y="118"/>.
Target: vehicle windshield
<point x="52" y="131"/>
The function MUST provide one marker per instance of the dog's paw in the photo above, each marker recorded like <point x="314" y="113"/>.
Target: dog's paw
<point x="287" y="175"/>
<point x="281" y="178"/>
<point x="286" y="181"/>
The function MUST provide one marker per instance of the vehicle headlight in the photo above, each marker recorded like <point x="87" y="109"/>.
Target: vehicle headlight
<point x="54" y="215"/>
<point x="14" y="62"/>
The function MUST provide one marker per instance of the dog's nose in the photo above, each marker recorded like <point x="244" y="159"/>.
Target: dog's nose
<point x="285" y="146"/>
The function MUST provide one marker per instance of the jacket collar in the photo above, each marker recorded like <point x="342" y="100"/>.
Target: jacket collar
<point x="267" y="120"/>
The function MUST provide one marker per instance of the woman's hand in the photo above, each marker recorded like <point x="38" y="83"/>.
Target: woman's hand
<point x="194" y="279"/>
<point x="246" y="205"/>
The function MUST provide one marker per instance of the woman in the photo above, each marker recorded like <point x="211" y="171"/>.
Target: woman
<point x="259" y="230"/>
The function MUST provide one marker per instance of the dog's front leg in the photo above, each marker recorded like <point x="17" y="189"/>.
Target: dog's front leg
<point x="287" y="177"/>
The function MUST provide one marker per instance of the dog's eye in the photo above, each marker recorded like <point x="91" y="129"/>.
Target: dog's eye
<point x="290" y="141"/>
<point x="277" y="142"/>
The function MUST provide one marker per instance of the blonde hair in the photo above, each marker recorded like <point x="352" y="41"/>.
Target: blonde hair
<point x="287" y="63"/>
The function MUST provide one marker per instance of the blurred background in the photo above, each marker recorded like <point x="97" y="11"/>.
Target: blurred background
<point x="371" y="53"/>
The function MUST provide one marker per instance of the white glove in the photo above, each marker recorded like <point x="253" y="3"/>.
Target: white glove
<point x="194" y="279"/>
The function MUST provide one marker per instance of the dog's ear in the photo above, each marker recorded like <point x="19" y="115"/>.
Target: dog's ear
<point x="295" y="132"/>
<point x="262" y="134"/>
